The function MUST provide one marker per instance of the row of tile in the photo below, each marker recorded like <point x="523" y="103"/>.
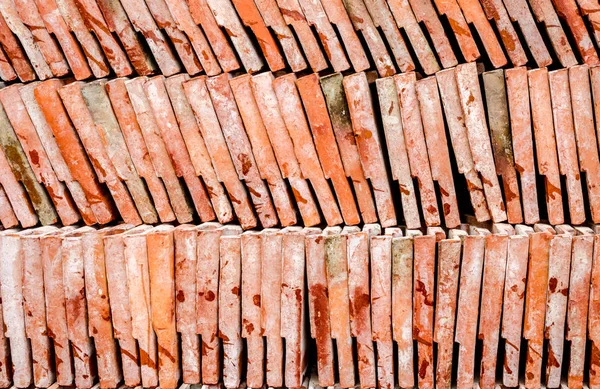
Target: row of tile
<point x="41" y="39"/>
<point x="123" y="298"/>
<point x="165" y="149"/>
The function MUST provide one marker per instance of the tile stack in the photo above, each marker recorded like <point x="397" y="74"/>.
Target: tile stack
<point x="41" y="39"/>
<point x="300" y="194"/>
<point x="267" y="151"/>
<point x="210" y="304"/>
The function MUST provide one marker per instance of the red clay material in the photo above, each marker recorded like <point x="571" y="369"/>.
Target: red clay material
<point x="416" y="146"/>
<point x="326" y="146"/>
<point x="362" y="21"/>
<point x="200" y="159"/>
<point x="545" y="142"/>
<point x="535" y="304"/>
<point x="517" y="91"/>
<point x="294" y="16"/>
<point x="498" y="117"/>
<point x="185" y="240"/>
<point x="405" y="19"/>
<point x="162" y="299"/>
<point x="369" y="145"/>
<point x="237" y="140"/>
<point x="562" y="111"/>
<point x="36" y="155"/>
<point x="425" y="13"/>
<point x="251" y="307"/>
<point x="273" y="19"/>
<point x="46" y="95"/>
<point x="283" y="147"/>
<point x="83" y="122"/>
<point x="460" y="142"/>
<point x="158" y="98"/>
<point x="583" y="120"/>
<point x="545" y="13"/>
<point x="226" y="17"/>
<point x="468" y="308"/>
<point x="134" y="140"/>
<point x="335" y="99"/>
<point x="514" y="302"/>
<point x="261" y="148"/>
<point x="200" y="101"/>
<point x="230" y="309"/>
<point x="291" y="110"/>
<point x="54" y="155"/>
<point x="434" y="129"/>
<point x="157" y="149"/>
<point x="251" y="17"/>
<point x="396" y="144"/>
<point x="479" y="139"/>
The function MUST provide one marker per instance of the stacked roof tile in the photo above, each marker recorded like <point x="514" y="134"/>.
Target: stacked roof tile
<point x="299" y="194"/>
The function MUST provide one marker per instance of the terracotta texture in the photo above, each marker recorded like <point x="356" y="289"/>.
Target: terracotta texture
<point x="37" y="157"/>
<point x="243" y="159"/>
<point x="283" y="147"/>
<point x="262" y="149"/>
<point x="514" y="302"/>
<point x="46" y="95"/>
<point x="208" y="122"/>
<point x="326" y="146"/>
<point x="468" y="307"/>
<point x="460" y="142"/>
<point x="226" y="17"/>
<point x="339" y="115"/>
<point x="517" y="92"/>
<point x="99" y="106"/>
<point x="252" y="307"/>
<point x="363" y="22"/>
<point x="545" y="142"/>
<point x="502" y="145"/>
<point x="270" y="297"/>
<point x="565" y="142"/>
<point x="98" y="307"/>
<point x="157" y="149"/>
<point x="316" y="17"/>
<point x="290" y="107"/>
<point x="12" y="308"/>
<point x="56" y="317"/>
<point x="23" y="173"/>
<point x="186" y="259"/>
<point x="346" y="322"/>
<point x="381" y="307"/>
<point x="545" y="13"/>
<point x="164" y="115"/>
<point x="162" y="298"/>
<point x="520" y="13"/>
<point x="479" y="139"/>
<point x="230" y="308"/>
<point x="416" y="146"/>
<point x="76" y="307"/>
<point x="94" y="21"/>
<point x="448" y="252"/>
<point x="133" y="313"/>
<point x="139" y="153"/>
<point x="273" y="19"/>
<point x="583" y="116"/>
<point x="425" y="13"/>
<point x="535" y="304"/>
<point x="396" y="143"/>
<point x="86" y="128"/>
<point x="432" y="119"/>
<point x="369" y="145"/>
<point x="318" y="307"/>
